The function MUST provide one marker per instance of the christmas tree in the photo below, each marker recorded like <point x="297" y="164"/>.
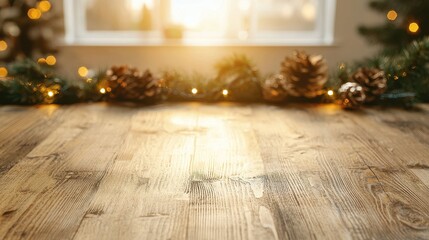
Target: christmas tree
<point x="406" y="21"/>
<point x="27" y="30"/>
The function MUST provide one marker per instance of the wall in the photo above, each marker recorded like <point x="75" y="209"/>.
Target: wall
<point x="348" y="46"/>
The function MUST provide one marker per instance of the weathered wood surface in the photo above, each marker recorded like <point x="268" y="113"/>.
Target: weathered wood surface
<point x="222" y="171"/>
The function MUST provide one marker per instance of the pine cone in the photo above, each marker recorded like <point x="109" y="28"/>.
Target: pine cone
<point x="129" y="84"/>
<point x="372" y="80"/>
<point x="305" y="74"/>
<point x="351" y="95"/>
<point x="274" y="88"/>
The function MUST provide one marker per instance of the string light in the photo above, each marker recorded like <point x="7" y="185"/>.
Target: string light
<point x="34" y="13"/>
<point x="51" y="60"/>
<point x="44" y="6"/>
<point x="330" y="93"/>
<point x="41" y="61"/>
<point x="50" y="94"/>
<point x="83" y="71"/>
<point x="413" y="27"/>
<point x="102" y="90"/>
<point x="3" y="72"/>
<point x="225" y="92"/>
<point x="3" y="45"/>
<point x="392" y="15"/>
<point x="194" y="91"/>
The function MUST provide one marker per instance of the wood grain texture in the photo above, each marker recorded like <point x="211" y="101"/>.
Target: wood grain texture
<point x="213" y="171"/>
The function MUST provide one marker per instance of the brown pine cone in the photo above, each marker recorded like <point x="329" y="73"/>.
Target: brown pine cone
<point x="274" y="88"/>
<point x="351" y="95"/>
<point x="305" y="74"/>
<point x="372" y="80"/>
<point x="125" y="83"/>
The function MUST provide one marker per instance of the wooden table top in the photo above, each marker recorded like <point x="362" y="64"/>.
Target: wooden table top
<point x="213" y="171"/>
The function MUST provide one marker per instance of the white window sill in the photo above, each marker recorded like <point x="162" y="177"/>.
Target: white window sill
<point x="196" y="42"/>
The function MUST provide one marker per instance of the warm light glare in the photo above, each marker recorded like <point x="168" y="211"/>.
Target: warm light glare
<point x="194" y="91"/>
<point x="34" y="13"/>
<point x="331" y="93"/>
<point x="244" y="5"/>
<point x="51" y="60"/>
<point x="44" y="6"/>
<point x="102" y="90"/>
<point x="392" y="15"/>
<point x="50" y="94"/>
<point x="413" y="27"/>
<point x="137" y="5"/>
<point x="201" y="14"/>
<point x="225" y="92"/>
<point x="3" y="72"/>
<point x="83" y="71"/>
<point x="308" y="11"/>
<point x="3" y="46"/>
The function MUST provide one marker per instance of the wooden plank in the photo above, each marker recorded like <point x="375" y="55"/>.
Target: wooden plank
<point x="26" y="128"/>
<point x="302" y="207"/>
<point x="227" y="185"/>
<point x="366" y="201"/>
<point x="145" y="190"/>
<point x="59" y="177"/>
<point x="398" y="189"/>
<point x="213" y="171"/>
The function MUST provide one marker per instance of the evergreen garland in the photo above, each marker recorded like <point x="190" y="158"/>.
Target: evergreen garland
<point x="237" y="79"/>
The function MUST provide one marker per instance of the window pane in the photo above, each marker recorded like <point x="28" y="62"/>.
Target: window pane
<point x="119" y="15"/>
<point x="286" y="15"/>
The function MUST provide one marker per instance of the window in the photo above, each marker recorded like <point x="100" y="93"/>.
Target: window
<point x="200" y="22"/>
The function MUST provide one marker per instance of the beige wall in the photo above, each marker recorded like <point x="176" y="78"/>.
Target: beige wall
<point x="348" y="46"/>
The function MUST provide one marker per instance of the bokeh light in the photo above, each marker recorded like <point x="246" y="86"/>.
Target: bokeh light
<point x="3" y="45"/>
<point x="83" y="71"/>
<point x="392" y="15"/>
<point x="413" y="27"/>
<point x="44" y="6"/>
<point x="51" y="60"/>
<point x="34" y="13"/>
<point x="3" y="72"/>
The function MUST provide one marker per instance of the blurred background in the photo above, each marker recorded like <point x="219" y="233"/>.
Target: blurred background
<point x="193" y="35"/>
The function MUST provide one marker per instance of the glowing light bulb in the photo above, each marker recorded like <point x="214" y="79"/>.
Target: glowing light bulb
<point x="51" y="60"/>
<point x="392" y="15"/>
<point x="331" y="93"/>
<point x="413" y="27"/>
<point x="34" y="13"/>
<point x="83" y="71"/>
<point x="225" y="92"/>
<point x="3" y="72"/>
<point x="194" y="91"/>
<point x="3" y="46"/>
<point x="50" y="94"/>
<point x="102" y="90"/>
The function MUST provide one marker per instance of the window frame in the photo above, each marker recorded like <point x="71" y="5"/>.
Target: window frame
<point x="76" y="33"/>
